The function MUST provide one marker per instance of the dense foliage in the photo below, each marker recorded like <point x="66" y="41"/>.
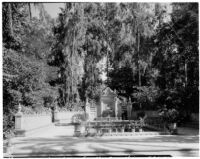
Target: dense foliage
<point x="151" y="53"/>
<point x="159" y="67"/>
<point x="26" y="44"/>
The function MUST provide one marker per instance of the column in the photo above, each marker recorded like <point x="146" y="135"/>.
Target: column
<point x="102" y="107"/>
<point x="129" y="108"/>
<point x="120" y="111"/>
<point x="56" y="114"/>
<point x="116" y="106"/>
<point x="87" y="108"/>
<point x="19" y="122"/>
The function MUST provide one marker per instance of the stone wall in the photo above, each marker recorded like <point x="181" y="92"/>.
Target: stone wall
<point x="27" y="123"/>
<point x="67" y="117"/>
<point x="31" y="122"/>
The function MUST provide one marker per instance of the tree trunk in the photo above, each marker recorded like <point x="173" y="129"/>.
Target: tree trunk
<point x="42" y="10"/>
<point x="107" y="62"/>
<point x="138" y="50"/>
<point x="186" y="74"/>
<point x="72" y="64"/>
<point x="10" y="21"/>
<point x="30" y="13"/>
<point x="72" y="54"/>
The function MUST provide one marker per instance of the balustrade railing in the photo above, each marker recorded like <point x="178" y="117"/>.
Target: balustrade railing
<point x="109" y="124"/>
<point x="155" y="123"/>
<point x="114" y="124"/>
<point x="107" y="118"/>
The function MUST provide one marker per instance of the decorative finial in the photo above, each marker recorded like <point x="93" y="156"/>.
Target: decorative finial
<point x="19" y="107"/>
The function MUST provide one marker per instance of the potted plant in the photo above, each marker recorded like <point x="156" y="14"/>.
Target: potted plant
<point x="98" y="128"/>
<point x="140" y="128"/>
<point x="132" y="127"/>
<point x="173" y="119"/>
<point x="129" y="127"/>
<point x="170" y="117"/>
<point x="142" y="123"/>
<point x="80" y="124"/>
<point x="122" y="128"/>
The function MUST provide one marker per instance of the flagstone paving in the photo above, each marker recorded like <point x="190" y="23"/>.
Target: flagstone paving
<point x="56" y="141"/>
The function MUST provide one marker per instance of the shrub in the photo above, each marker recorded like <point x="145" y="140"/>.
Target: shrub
<point x="48" y="101"/>
<point x="169" y="115"/>
<point x="141" y="114"/>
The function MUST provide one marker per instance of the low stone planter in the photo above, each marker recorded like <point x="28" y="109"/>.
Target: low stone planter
<point x="136" y="129"/>
<point x="79" y="129"/>
<point x="99" y="131"/>
<point x="173" y="128"/>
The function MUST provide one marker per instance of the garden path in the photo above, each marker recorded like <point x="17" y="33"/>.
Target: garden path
<point x="56" y="141"/>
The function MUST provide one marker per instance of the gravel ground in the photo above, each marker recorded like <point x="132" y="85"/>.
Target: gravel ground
<point x="57" y="142"/>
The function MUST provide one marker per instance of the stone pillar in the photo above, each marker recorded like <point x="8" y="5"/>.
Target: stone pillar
<point x="116" y="106"/>
<point x="119" y="113"/>
<point x="19" y="122"/>
<point x="56" y="115"/>
<point x="87" y="108"/>
<point x="129" y="108"/>
<point x="101" y="107"/>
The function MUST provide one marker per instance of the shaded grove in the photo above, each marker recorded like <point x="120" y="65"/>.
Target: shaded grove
<point x="151" y="53"/>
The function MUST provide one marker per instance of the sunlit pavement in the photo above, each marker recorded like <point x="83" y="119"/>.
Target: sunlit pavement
<point x="57" y="142"/>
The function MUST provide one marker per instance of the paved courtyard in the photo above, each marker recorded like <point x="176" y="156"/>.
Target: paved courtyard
<point x="56" y="141"/>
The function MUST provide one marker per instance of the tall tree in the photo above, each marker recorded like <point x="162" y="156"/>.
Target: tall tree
<point x="67" y="52"/>
<point x="176" y="55"/>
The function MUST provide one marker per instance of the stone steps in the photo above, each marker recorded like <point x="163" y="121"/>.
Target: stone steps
<point x="63" y="124"/>
<point x="83" y="154"/>
<point x="122" y="134"/>
<point x="134" y="133"/>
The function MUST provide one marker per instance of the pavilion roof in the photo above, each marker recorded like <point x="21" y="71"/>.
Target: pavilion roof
<point x="108" y="92"/>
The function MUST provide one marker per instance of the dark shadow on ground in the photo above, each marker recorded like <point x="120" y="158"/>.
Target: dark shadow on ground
<point x="103" y="146"/>
<point x="155" y="139"/>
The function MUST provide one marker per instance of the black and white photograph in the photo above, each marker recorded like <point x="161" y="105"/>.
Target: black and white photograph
<point x="100" y="79"/>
